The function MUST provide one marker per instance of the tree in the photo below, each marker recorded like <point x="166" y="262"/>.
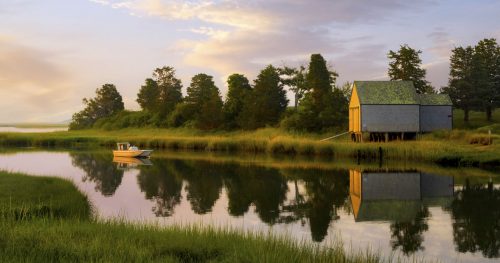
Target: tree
<point x="148" y="96"/>
<point x="169" y="88"/>
<point x="295" y="79"/>
<point x="319" y="81"/>
<point x="107" y="102"/>
<point x="266" y="103"/>
<point x="405" y="64"/>
<point x="204" y="102"/>
<point x="238" y="90"/>
<point x="461" y="86"/>
<point x="486" y="74"/>
<point x="323" y="106"/>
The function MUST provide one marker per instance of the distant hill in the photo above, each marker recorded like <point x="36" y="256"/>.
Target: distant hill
<point x="35" y="125"/>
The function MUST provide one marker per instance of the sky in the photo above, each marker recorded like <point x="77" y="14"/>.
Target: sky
<point x="53" y="53"/>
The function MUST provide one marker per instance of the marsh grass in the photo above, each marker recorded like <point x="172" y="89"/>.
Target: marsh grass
<point x="468" y="146"/>
<point x="75" y="235"/>
<point x="456" y="148"/>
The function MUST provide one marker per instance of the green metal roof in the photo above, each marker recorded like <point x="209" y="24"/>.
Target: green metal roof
<point x="386" y="92"/>
<point x="435" y="99"/>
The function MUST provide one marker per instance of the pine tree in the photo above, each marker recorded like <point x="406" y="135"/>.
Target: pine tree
<point x="319" y="82"/>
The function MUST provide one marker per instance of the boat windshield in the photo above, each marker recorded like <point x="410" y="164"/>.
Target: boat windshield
<point x="123" y="146"/>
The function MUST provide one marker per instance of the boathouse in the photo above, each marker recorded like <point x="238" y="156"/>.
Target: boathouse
<point x="436" y="111"/>
<point x="387" y="110"/>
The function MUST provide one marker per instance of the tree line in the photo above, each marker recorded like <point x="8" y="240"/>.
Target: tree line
<point x="474" y="82"/>
<point x="319" y="103"/>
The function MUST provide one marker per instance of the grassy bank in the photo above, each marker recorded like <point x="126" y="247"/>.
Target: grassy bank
<point x="458" y="147"/>
<point x="69" y="233"/>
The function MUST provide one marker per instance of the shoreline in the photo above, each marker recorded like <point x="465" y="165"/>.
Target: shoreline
<point x="41" y="224"/>
<point x="457" y="148"/>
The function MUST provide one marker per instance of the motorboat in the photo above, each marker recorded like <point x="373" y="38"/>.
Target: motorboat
<point x="124" y="149"/>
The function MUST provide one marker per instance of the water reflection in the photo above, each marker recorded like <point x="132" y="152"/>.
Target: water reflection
<point x="407" y="211"/>
<point x="163" y="184"/>
<point x="402" y="198"/>
<point x="476" y="219"/>
<point x="99" y="169"/>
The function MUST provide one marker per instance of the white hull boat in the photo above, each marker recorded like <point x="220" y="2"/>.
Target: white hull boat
<point x="125" y="150"/>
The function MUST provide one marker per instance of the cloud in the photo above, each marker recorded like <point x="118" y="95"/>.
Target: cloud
<point x="29" y="80"/>
<point x="244" y="36"/>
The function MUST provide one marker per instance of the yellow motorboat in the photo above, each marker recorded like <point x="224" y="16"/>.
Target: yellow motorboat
<point x="124" y="149"/>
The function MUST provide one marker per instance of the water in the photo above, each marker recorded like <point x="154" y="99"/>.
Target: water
<point x="431" y="212"/>
<point x="32" y="130"/>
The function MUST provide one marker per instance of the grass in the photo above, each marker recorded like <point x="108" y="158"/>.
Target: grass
<point x="462" y="148"/>
<point x="71" y="234"/>
<point x="470" y="147"/>
<point x="24" y="197"/>
<point x="476" y="119"/>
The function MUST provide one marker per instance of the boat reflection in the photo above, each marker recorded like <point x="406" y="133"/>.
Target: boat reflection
<point x="124" y="163"/>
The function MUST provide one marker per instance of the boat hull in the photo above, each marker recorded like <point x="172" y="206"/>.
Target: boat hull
<point x="132" y="153"/>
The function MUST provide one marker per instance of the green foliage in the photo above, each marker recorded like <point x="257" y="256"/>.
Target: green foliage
<point x="318" y="81"/>
<point x="148" y="96"/>
<point x="203" y="96"/>
<point x="169" y="90"/>
<point x="106" y="103"/>
<point x="266" y="103"/>
<point x="486" y="74"/>
<point x="474" y="81"/>
<point x="322" y="107"/>
<point x="182" y="113"/>
<point x="238" y="90"/>
<point x="126" y="119"/>
<point x="460" y="87"/>
<point x="295" y="80"/>
<point x="405" y="64"/>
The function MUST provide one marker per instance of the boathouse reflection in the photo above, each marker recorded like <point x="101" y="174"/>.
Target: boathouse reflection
<point x="401" y="198"/>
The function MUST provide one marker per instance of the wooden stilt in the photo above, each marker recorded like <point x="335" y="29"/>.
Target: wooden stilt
<point x="386" y="137"/>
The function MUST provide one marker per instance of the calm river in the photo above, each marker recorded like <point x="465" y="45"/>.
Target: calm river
<point x="430" y="212"/>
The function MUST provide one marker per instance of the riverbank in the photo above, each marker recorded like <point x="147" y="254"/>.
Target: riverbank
<point x="454" y="148"/>
<point x="47" y="219"/>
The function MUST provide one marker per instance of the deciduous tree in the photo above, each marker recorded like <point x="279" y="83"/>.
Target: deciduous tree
<point x="169" y="89"/>
<point x="405" y="64"/>
<point x="148" y="96"/>
<point x="107" y="102"/>
<point x="266" y="103"/>
<point x="238" y="90"/>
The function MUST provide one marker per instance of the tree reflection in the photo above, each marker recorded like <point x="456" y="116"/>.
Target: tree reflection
<point x="100" y="169"/>
<point x="161" y="183"/>
<point x="476" y="215"/>
<point x="326" y="191"/>
<point x="408" y="235"/>
<point x="204" y="184"/>
<point x="265" y="188"/>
